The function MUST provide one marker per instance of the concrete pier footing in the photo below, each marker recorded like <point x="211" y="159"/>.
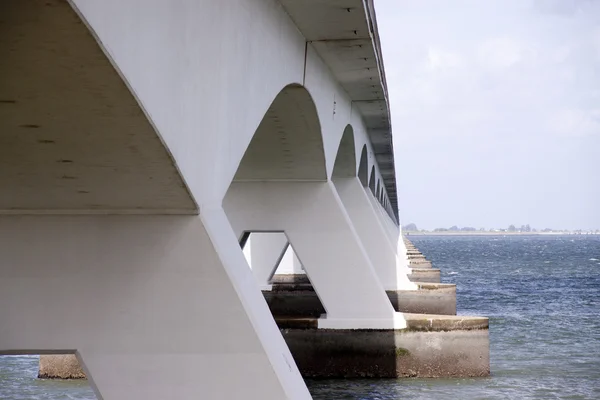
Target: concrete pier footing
<point x="60" y="366"/>
<point x="436" y="342"/>
<point x="432" y="346"/>
<point x="416" y="259"/>
<point x="420" y="264"/>
<point x="293" y="295"/>
<point x="431" y="298"/>
<point x="430" y="275"/>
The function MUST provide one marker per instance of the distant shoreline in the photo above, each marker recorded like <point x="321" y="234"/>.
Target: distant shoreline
<point x="495" y="233"/>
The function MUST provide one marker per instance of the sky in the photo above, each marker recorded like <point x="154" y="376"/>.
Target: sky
<point x="495" y="111"/>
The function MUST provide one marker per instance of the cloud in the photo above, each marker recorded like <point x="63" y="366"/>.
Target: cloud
<point x="565" y="8"/>
<point x="483" y="95"/>
<point x="440" y="60"/>
<point x="575" y="123"/>
<point x="596" y="42"/>
<point x="498" y="53"/>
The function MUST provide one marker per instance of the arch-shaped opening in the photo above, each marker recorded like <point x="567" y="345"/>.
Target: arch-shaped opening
<point x="363" y="167"/>
<point x="286" y="147"/>
<point x="345" y="159"/>
<point x="372" y="181"/>
<point x="287" y="144"/>
<point x="378" y="190"/>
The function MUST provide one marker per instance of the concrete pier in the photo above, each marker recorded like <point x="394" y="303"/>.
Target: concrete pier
<point x="416" y="259"/>
<point x="435" y="343"/>
<point x="432" y="346"/>
<point x="419" y="263"/>
<point x="430" y="275"/>
<point x="293" y="295"/>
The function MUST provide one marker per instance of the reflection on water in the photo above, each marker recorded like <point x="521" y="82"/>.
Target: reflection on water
<point x="542" y="295"/>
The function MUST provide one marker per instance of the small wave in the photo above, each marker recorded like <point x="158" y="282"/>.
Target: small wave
<point x="594" y="259"/>
<point x="452" y="273"/>
<point x="546" y="262"/>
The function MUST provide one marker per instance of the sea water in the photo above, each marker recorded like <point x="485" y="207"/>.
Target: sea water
<point x="541" y="293"/>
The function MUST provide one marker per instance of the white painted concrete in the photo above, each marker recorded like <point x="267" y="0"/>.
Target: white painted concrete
<point x="373" y="225"/>
<point x="390" y="268"/>
<point x="290" y="263"/>
<point x="157" y="307"/>
<point x="196" y="85"/>
<point x="267" y="251"/>
<point x="394" y="232"/>
<point x="317" y="226"/>
<point x="70" y="127"/>
<point x="209" y="101"/>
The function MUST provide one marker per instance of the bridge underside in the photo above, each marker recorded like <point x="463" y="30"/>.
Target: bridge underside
<point x="162" y="304"/>
<point x="73" y="138"/>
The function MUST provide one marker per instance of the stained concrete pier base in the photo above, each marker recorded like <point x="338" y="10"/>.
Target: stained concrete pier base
<point x="430" y="275"/>
<point x="432" y="346"/>
<point x="293" y="295"/>
<point x="60" y="366"/>
<point x="420" y="264"/>
<point x="430" y="298"/>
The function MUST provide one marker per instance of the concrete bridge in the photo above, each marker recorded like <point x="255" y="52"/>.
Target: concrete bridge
<point x="142" y="141"/>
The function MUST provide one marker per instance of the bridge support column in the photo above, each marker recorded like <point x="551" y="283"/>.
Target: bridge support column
<point x="391" y="270"/>
<point x="265" y="252"/>
<point x="320" y="231"/>
<point x="154" y="307"/>
<point x="394" y="232"/>
<point x="290" y="264"/>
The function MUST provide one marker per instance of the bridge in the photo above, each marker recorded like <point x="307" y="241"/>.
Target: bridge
<point x="143" y="143"/>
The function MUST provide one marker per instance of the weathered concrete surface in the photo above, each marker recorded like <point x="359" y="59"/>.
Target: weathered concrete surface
<point x="416" y="259"/>
<point x="294" y="296"/>
<point x="431" y="298"/>
<point x="430" y="275"/>
<point x="432" y="346"/>
<point x="289" y="278"/>
<point x="420" y="264"/>
<point x="60" y="366"/>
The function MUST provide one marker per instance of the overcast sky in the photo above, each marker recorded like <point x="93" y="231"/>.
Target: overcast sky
<point x="495" y="111"/>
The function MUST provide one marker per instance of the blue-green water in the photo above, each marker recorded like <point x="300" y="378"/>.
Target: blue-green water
<point x="542" y="294"/>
